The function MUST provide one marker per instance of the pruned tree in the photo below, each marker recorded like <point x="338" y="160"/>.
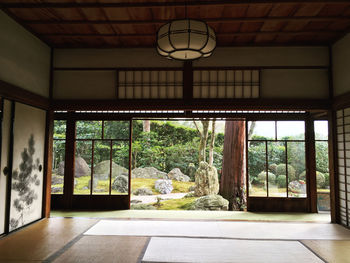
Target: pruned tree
<point x="233" y="173"/>
<point x="203" y="139"/>
<point x="212" y="143"/>
<point x="23" y="181"/>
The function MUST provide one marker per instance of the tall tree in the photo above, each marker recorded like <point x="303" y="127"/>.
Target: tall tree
<point x="203" y="139"/>
<point x="233" y="172"/>
<point x="212" y="142"/>
<point x="146" y="126"/>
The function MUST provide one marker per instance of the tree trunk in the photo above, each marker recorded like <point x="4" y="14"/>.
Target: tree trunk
<point x="146" y="126"/>
<point x="233" y="173"/>
<point x="212" y="142"/>
<point x="203" y="142"/>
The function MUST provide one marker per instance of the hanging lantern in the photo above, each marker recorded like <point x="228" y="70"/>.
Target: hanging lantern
<point x="186" y="39"/>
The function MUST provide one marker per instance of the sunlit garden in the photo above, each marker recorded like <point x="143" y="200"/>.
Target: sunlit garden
<point x="179" y="164"/>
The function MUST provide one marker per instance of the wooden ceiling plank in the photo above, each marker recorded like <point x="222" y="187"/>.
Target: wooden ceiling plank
<point x="252" y="33"/>
<point x="219" y="20"/>
<point x="148" y="4"/>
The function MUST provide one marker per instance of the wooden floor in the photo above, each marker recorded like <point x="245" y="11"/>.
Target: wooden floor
<point x="63" y="240"/>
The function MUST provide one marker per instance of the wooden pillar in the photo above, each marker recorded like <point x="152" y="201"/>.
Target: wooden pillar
<point x="48" y="164"/>
<point x="68" y="185"/>
<point x="187" y="81"/>
<point x="333" y="168"/>
<point x="311" y="164"/>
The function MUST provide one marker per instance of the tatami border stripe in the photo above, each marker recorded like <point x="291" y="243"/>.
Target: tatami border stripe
<point x="67" y="246"/>
<point x="309" y="248"/>
<point x="139" y="260"/>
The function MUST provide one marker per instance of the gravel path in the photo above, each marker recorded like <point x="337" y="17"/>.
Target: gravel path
<point x="146" y="199"/>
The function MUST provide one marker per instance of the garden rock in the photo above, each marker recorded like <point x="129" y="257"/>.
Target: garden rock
<point x="192" y="188"/>
<point x="94" y="182"/>
<point x="120" y="184"/>
<point x="297" y="187"/>
<point x="143" y="191"/>
<point x="177" y="175"/>
<point x="142" y="207"/>
<point x="207" y="182"/>
<point x="164" y="186"/>
<point x="101" y="170"/>
<point x="56" y="179"/>
<point x="81" y="168"/>
<point x="210" y="202"/>
<point x="56" y="189"/>
<point x="148" y="172"/>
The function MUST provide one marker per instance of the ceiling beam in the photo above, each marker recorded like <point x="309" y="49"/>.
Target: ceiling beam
<point x="217" y="34"/>
<point x="147" y="4"/>
<point x="208" y="20"/>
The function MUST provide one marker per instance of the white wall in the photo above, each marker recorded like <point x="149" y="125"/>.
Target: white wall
<point x="276" y="83"/>
<point x="341" y="66"/>
<point x="24" y="59"/>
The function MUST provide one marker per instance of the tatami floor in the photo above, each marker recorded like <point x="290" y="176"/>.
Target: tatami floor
<point x="164" y="240"/>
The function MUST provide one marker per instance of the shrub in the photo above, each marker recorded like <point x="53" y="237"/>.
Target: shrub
<point x="302" y="176"/>
<point x="326" y="177"/>
<point x="262" y="177"/>
<point x="273" y="168"/>
<point x="322" y="180"/>
<point x="281" y="181"/>
<point x="281" y="169"/>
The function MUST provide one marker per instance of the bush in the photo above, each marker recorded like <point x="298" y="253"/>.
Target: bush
<point x="281" y="170"/>
<point x="281" y="181"/>
<point x="273" y="168"/>
<point x="326" y="177"/>
<point x="262" y="177"/>
<point x="322" y="180"/>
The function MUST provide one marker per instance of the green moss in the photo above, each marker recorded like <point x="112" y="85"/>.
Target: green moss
<point x="179" y="187"/>
<point x="177" y="204"/>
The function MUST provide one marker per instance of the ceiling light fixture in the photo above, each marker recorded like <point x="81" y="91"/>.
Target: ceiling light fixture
<point x="185" y="39"/>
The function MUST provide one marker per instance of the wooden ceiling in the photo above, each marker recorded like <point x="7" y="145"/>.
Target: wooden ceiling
<point x="134" y="23"/>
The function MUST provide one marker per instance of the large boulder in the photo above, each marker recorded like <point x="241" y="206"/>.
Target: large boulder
<point x="94" y="183"/>
<point x="177" y="175"/>
<point x="164" y="186"/>
<point x="81" y="168"/>
<point x="101" y="170"/>
<point x="207" y="181"/>
<point x="210" y="202"/>
<point x="120" y="184"/>
<point x="148" y="172"/>
<point x="55" y="190"/>
<point x="297" y="187"/>
<point x="56" y="179"/>
<point x="143" y="191"/>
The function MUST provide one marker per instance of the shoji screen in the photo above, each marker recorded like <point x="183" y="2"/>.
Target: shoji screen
<point x="150" y="84"/>
<point x="343" y="145"/>
<point x="226" y="84"/>
<point x="27" y="168"/>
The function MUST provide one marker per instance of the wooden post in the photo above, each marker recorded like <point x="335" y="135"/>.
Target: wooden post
<point x="187" y="81"/>
<point x="333" y="174"/>
<point x="48" y="164"/>
<point x="311" y="164"/>
<point x="68" y="185"/>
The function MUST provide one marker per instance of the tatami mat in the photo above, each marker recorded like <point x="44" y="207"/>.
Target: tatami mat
<point x="98" y="249"/>
<point x="224" y="250"/>
<point x="243" y="230"/>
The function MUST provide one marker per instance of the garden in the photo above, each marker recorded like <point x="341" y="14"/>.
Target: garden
<point x="178" y="164"/>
